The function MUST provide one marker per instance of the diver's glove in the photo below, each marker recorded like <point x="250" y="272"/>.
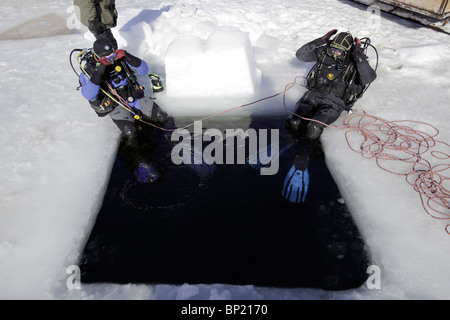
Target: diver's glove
<point x="97" y="75"/>
<point x="120" y="53"/>
<point x="96" y="26"/>
<point x="323" y="40"/>
<point x="296" y="183"/>
<point x="327" y="37"/>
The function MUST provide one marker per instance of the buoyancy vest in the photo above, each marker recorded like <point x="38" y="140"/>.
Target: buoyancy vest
<point x="117" y="77"/>
<point x="339" y="78"/>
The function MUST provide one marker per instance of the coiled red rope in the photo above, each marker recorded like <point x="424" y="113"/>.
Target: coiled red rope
<point x="427" y="160"/>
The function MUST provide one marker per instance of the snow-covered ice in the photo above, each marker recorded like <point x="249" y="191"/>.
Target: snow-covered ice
<point x="57" y="154"/>
<point x="222" y="65"/>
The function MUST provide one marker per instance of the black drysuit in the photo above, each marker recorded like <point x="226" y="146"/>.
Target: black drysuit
<point x="332" y="85"/>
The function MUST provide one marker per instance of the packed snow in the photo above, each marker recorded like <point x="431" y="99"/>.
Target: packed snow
<point x="222" y="65"/>
<point x="57" y="154"/>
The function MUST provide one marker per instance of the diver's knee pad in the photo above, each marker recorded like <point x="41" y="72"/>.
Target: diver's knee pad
<point x="158" y="115"/>
<point x="294" y="124"/>
<point x="152" y="111"/>
<point x="313" y="130"/>
<point x="127" y="127"/>
<point x="129" y="131"/>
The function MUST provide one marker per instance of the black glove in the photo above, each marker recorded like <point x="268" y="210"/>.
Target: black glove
<point x="96" y="26"/>
<point x="327" y="37"/>
<point x="97" y="75"/>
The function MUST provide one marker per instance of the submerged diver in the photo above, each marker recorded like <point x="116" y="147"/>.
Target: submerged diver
<point x="335" y="82"/>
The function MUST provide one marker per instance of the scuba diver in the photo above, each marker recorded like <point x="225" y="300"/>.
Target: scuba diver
<point x="111" y="88"/>
<point x="335" y="82"/>
<point x="340" y="76"/>
<point x="109" y="83"/>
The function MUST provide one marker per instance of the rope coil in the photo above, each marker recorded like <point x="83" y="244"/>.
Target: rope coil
<point x="389" y="141"/>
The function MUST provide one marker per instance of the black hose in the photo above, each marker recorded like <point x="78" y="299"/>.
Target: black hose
<point x="367" y="43"/>
<point x="376" y="53"/>
<point x="70" y="60"/>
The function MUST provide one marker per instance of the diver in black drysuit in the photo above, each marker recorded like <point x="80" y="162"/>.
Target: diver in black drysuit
<point x="336" y="81"/>
<point x="341" y="71"/>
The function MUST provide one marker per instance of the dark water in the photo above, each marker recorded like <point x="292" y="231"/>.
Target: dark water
<point x="223" y="224"/>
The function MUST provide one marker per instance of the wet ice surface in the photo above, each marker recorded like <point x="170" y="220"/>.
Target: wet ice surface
<point x="44" y="26"/>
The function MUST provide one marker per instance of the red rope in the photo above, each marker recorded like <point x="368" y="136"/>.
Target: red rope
<point x="287" y="88"/>
<point x="427" y="159"/>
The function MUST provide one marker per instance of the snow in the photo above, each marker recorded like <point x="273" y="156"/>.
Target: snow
<point x="57" y="154"/>
<point x="222" y="65"/>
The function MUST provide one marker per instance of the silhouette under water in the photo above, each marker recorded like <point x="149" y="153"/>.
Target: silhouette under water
<point x="224" y="223"/>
